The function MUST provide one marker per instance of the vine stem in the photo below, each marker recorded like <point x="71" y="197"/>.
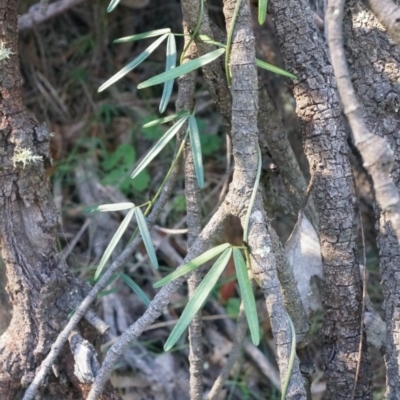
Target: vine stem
<point x="229" y="42"/>
<point x="195" y="32"/>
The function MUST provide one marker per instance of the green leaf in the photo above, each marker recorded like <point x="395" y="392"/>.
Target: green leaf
<point x="262" y="11"/>
<point x="196" y="150"/>
<point x="136" y="288"/>
<point x="169" y="64"/>
<point x="114" y="241"/>
<point x="145" y="35"/>
<point x="144" y="231"/>
<point x="112" y="5"/>
<point x="159" y="146"/>
<point x="182" y="69"/>
<point x="109" y="207"/>
<point x="208" y="40"/>
<point x="252" y="198"/>
<point x="246" y="292"/>
<point x="199" y="298"/>
<point x="140" y="183"/>
<point x="191" y="265"/>
<point x="123" y="156"/>
<point x="210" y="143"/>
<point x="272" y="68"/>
<point x="166" y="119"/>
<point x="291" y="360"/>
<point x="133" y="64"/>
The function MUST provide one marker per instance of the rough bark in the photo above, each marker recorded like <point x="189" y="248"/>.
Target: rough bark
<point x="374" y="62"/>
<point x="40" y="287"/>
<point x="214" y="74"/>
<point x="186" y="101"/>
<point x="244" y="134"/>
<point x="377" y="155"/>
<point x="388" y="14"/>
<point x="305" y="54"/>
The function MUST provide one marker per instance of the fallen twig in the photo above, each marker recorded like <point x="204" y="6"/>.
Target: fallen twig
<point x="35" y="16"/>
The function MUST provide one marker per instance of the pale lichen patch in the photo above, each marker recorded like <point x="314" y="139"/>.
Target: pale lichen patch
<point x="5" y="53"/>
<point x="25" y="156"/>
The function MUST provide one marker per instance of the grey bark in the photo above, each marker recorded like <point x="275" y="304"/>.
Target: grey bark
<point x="186" y="101"/>
<point x="41" y="289"/>
<point x="306" y="55"/>
<point x="244" y="91"/>
<point x="388" y="14"/>
<point x="214" y="74"/>
<point x="375" y="79"/>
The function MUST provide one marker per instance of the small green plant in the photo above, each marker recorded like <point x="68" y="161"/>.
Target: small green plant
<point x="117" y="166"/>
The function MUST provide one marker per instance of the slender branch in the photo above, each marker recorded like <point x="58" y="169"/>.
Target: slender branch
<point x="244" y="91"/>
<point x="290" y="291"/>
<point x="100" y="285"/>
<point x="96" y="322"/>
<point x="254" y="353"/>
<point x="185" y="101"/>
<point x="388" y="14"/>
<point x="377" y="155"/>
<point x="213" y="73"/>
<point x="156" y="307"/>
<point x="36" y="16"/>
<point x="237" y="346"/>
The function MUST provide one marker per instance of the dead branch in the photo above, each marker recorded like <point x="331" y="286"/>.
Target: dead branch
<point x="86" y="364"/>
<point x="388" y="14"/>
<point x="35" y="16"/>
<point x="237" y="345"/>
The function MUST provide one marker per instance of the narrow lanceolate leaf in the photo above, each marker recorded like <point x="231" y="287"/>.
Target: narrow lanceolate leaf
<point x="262" y="11"/>
<point x="169" y="64"/>
<point x="191" y="265"/>
<point x="199" y="298"/>
<point x="112" y="5"/>
<point x="114" y="241"/>
<point x="164" y="120"/>
<point x="159" y="146"/>
<point x="110" y="207"/>
<point x="291" y="360"/>
<point x="133" y="64"/>
<point x="182" y="69"/>
<point x="247" y="295"/>
<point x="196" y="150"/>
<point x="144" y="231"/>
<point x="208" y="40"/>
<point x="136" y="288"/>
<point x="252" y="198"/>
<point x="144" y="35"/>
<point x="272" y="68"/>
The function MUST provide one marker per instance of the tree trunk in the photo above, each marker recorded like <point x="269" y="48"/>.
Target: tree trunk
<point x="374" y="61"/>
<point x="306" y="55"/>
<point x="41" y="290"/>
